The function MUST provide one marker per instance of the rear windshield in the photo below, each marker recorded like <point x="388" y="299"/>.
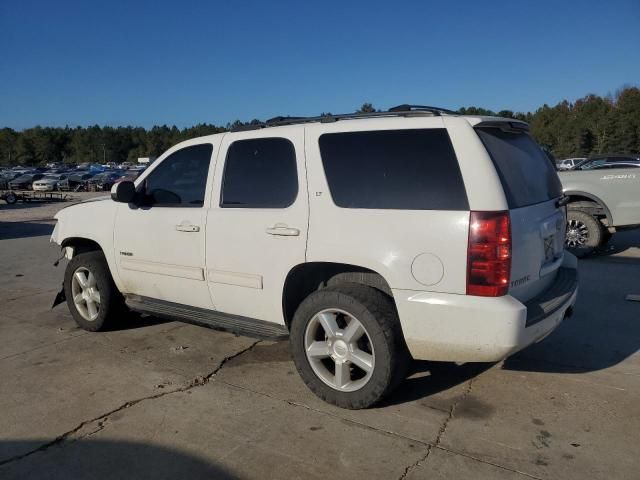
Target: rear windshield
<point x="527" y="175"/>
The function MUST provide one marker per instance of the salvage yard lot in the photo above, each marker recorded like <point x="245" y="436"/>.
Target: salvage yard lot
<point x="162" y="399"/>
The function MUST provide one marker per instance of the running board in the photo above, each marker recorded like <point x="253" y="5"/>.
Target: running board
<point x="226" y="322"/>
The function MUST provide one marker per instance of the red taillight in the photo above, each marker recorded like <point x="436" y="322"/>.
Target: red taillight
<point x="489" y="254"/>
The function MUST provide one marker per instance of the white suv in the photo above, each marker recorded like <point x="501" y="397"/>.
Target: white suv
<point x="367" y="239"/>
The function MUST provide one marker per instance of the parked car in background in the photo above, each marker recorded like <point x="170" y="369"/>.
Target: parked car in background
<point x="138" y="169"/>
<point x="104" y="180"/>
<point x="592" y="162"/>
<point x="129" y="175"/>
<point x="602" y="199"/>
<point x="25" y="182"/>
<point x="49" y="182"/>
<point x="569" y="163"/>
<point x="611" y="166"/>
<point x="5" y="177"/>
<point x="9" y="175"/>
<point x="75" y="181"/>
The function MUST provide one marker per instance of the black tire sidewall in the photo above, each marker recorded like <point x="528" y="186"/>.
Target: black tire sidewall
<point x="96" y="263"/>
<point x="357" y="301"/>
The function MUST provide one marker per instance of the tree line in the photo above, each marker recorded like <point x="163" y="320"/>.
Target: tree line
<point x="590" y="125"/>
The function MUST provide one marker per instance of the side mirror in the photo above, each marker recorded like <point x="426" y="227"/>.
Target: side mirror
<point x="123" y="192"/>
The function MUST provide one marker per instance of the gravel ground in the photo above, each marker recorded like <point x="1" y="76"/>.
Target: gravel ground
<point x="40" y="211"/>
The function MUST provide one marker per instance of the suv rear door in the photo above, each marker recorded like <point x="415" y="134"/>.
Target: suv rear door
<point x="532" y="189"/>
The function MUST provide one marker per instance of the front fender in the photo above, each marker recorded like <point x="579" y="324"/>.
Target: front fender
<point x="88" y="223"/>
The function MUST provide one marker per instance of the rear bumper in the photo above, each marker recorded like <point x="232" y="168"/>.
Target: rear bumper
<point x="463" y="328"/>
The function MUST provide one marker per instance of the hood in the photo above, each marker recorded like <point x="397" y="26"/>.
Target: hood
<point x="82" y="202"/>
<point x="96" y="199"/>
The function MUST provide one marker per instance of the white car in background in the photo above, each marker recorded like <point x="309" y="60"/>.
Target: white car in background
<point x="569" y="163"/>
<point x="48" y="183"/>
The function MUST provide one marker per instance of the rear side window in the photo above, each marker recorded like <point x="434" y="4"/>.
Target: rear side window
<point x="527" y="175"/>
<point x="393" y="169"/>
<point x="260" y="173"/>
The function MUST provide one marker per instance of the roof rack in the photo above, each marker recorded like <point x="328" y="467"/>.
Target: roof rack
<point x="405" y="107"/>
<point x="399" y="110"/>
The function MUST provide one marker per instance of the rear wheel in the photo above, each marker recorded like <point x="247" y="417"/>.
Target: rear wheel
<point x="93" y="299"/>
<point x="348" y="346"/>
<point x="585" y="233"/>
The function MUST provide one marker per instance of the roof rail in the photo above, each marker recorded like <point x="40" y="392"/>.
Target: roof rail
<point x="400" y="110"/>
<point x="405" y="107"/>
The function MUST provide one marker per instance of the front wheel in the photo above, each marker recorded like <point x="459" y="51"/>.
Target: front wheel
<point x="585" y="233"/>
<point x="93" y="299"/>
<point x="347" y="345"/>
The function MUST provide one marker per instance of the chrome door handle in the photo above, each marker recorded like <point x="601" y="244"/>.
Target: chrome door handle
<point x="283" y="231"/>
<point x="183" y="227"/>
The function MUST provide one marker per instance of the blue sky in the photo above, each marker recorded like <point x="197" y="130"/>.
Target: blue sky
<point x="185" y="62"/>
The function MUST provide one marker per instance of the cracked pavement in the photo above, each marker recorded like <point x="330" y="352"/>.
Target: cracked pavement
<point x="160" y="399"/>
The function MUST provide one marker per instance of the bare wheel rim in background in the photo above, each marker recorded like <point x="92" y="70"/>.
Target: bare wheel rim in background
<point x="577" y="233"/>
<point x="86" y="296"/>
<point x="339" y="350"/>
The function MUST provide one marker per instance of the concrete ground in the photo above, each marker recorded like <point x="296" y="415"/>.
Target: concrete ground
<point x="163" y="399"/>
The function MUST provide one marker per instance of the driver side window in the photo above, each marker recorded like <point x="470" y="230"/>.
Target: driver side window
<point x="180" y="180"/>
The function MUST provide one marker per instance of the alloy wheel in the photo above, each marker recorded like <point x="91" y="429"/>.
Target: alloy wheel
<point x="339" y="350"/>
<point x="577" y="234"/>
<point x="86" y="295"/>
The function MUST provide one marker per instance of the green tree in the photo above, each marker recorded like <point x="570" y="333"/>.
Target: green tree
<point x="590" y="125"/>
<point x="366" y="108"/>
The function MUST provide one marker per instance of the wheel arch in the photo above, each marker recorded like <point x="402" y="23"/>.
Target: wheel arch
<point x="81" y="245"/>
<point x="305" y="278"/>
<point x="577" y="196"/>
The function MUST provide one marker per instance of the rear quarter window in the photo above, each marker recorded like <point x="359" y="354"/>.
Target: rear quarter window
<point x="527" y="175"/>
<point x="414" y="169"/>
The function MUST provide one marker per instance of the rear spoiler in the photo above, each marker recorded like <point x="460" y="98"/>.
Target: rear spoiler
<point x="514" y="126"/>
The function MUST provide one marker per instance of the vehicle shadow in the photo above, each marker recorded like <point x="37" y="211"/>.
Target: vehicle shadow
<point x="604" y="330"/>
<point x="620" y="243"/>
<point x="135" y="320"/>
<point x="13" y="230"/>
<point x="103" y="459"/>
<point x="427" y="378"/>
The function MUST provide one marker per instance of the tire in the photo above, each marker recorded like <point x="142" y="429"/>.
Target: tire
<point x="11" y="198"/>
<point x="606" y="236"/>
<point x="382" y="340"/>
<point x="108" y="303"/>
<point x="585" y="233"/>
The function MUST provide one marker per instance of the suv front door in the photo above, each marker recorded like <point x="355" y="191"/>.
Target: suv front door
<point x="160" y="242"/>
<point x="257" y="223"/>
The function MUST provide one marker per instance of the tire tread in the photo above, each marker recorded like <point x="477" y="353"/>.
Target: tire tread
<point x="381" y="307"/>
